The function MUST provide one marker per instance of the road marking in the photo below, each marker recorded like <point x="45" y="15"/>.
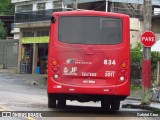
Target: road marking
<point x="3" y="108"/>
<point x="30" y="118"/>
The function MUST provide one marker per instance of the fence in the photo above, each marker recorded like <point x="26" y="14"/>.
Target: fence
<point x="35" y="16"/>
<point x="9" y="53"/>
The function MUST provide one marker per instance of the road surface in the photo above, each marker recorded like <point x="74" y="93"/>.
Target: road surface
<point x="22" y="94"/>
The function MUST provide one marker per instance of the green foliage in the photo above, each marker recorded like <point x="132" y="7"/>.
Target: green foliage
<point x="135" y="87"/>
<point x="3" y="31"/>
<point x="6" y="8"/>
<point x="136" y="54"/>
<point x="154" y="58"/>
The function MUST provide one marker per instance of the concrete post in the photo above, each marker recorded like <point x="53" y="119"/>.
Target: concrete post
<point x="20" y="52"/>
<point x="35" y="55"/>
<point x="106" y="5"/>
<point x="146" y="64"/>
<point x="158" y="74"/>
<point x="75" y="4"/>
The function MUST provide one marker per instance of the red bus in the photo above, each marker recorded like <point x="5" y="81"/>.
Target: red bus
<point x="89" y="58"/>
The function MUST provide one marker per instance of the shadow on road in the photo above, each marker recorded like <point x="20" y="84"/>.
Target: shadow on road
<point x="81" y="111"/>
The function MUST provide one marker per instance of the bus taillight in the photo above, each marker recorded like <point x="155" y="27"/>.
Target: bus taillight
<point x="56" y="76"/>
<point x="54" y="62"/>
<point x="55" y="69"/>
<point x="122" y="78"/>
<point x="124" y="65"/>
<point x="123" y="71"/>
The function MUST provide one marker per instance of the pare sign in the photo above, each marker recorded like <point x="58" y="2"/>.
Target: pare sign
<point x="148" y="38"/>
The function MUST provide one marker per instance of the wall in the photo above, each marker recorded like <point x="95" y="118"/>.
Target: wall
<point x="135" y="31"/>
<point x="156" y="26"/>
<point x="9" y="53"/>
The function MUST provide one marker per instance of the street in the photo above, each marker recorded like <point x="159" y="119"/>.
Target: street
<point x="21" y="93"/>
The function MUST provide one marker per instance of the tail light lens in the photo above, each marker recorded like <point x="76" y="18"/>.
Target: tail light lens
<point x="56" y="76"/>
<point x="123" y="71"/>
<point x="54" y="63"/>
<point x="122" y="78"/>
<point x="55" y="69"/>
<point x="123" y="65"/>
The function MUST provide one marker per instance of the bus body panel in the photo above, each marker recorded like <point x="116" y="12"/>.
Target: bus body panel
<point x="89" y="69"/>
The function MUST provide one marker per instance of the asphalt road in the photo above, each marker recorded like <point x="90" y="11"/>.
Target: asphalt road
<point x="20" y="94"/>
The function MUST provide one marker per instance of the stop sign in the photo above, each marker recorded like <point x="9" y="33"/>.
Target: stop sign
<point x="148" y="38"/>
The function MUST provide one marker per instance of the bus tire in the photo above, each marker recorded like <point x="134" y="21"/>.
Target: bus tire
<point x="105" y="104"/>
<point x="61" y="103"/>
<point x="115" y="105"/>
<point x="51" y="101"/>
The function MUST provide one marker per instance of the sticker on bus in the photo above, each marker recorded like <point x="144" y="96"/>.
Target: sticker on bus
<point x="89" y="74"/>
<point x="109" y="62"/>
<point x="109" y="73"/>
<point x="71" y="61"/>
<point x="70" y="71"/>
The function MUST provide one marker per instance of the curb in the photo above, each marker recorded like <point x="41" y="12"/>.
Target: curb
<point x="145" y="107"/>
<point x="139" y="99"/>
<point x="132" y="98"/>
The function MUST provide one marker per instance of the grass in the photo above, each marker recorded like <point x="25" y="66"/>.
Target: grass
<point x="135" y="87"/>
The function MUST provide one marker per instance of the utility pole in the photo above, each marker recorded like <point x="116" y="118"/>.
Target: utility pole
<point x="146" y="64"/>
<point x="106" y="5"/>
<point x="75" y="4"/>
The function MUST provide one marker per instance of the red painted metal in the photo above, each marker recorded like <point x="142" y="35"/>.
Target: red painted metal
<point x="81" y="67"/>
<point x="146" y="74"/>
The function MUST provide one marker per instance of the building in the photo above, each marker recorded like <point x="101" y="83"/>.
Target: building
<point x="32" y="21"/>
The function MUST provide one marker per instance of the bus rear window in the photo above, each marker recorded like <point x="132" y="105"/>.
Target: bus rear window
<point x="90" y="30"/>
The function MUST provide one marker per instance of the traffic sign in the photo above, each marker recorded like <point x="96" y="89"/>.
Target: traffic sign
<point x="148" y="38"/>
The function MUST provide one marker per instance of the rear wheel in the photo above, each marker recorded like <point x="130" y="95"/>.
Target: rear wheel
<point x="61" y="103"/>
<point x="51" y="101"/>
<point x="115" y="105"/>
<point x="105" y="104"/>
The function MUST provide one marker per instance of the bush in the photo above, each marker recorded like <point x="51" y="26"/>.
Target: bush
<point x="3" y="31"/>
<point x="137" y="55"/>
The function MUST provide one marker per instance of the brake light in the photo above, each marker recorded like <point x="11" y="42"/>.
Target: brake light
<point x="123" y="71"/>
<point x="55" y="69"/>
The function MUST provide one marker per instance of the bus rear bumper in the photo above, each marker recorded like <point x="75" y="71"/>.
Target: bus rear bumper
<point x="61" y="88"/>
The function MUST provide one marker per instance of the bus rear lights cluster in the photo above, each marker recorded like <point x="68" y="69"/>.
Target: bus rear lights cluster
<point x="123" y="72"/>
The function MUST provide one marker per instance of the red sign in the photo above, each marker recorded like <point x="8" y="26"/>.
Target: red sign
<point x="148" y="38"/>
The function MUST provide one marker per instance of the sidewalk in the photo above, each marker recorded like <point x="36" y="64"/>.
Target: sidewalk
<point x="136" y="96"/>
<point x="41" y="80"/>
<point x="32" y="79"/>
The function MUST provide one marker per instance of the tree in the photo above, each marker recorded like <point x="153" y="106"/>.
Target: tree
<point x="3" y="31"/>
<point x="136" y="53"/>
<point x="6" y="7"/>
